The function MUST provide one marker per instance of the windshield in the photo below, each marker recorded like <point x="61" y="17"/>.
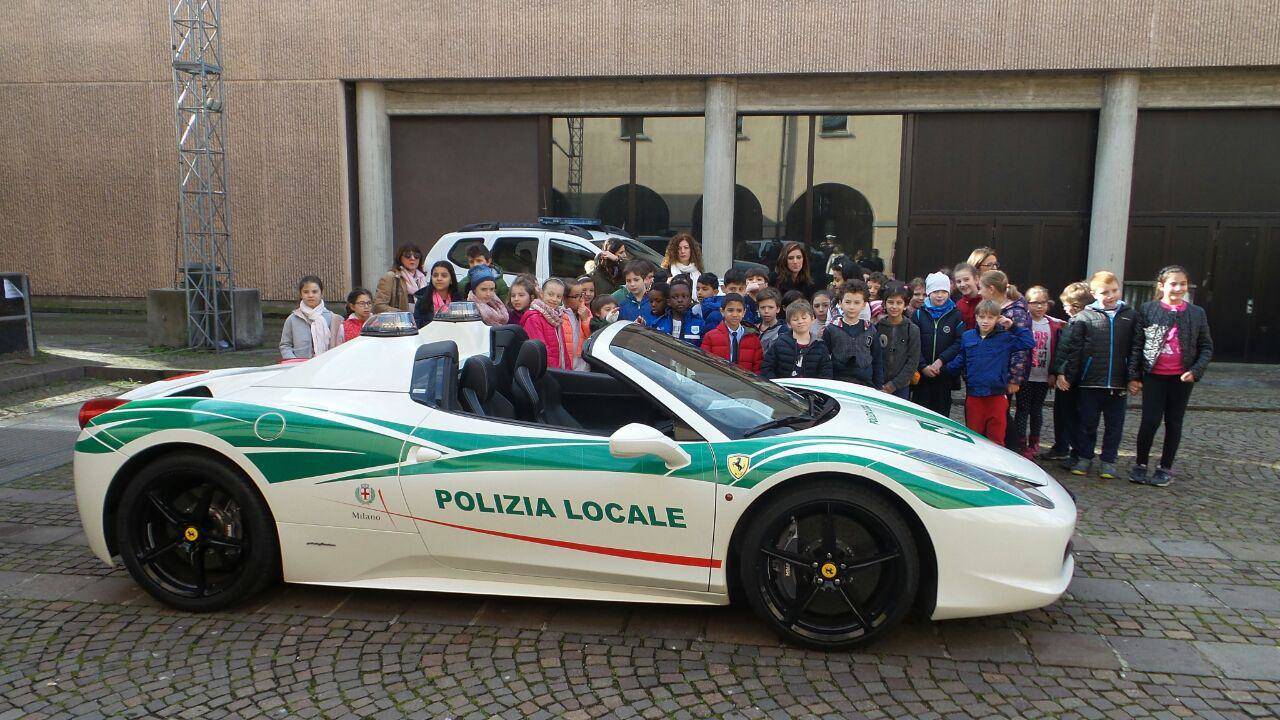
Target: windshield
<point x="728" y="397"/>
<point x="637" y="250"/>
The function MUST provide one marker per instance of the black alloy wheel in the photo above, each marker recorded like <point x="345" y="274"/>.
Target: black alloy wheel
<point x="195" y="534"/>
<point x="830" y="565"/>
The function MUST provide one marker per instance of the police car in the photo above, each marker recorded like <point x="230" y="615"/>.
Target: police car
<point x="452" y="459"/>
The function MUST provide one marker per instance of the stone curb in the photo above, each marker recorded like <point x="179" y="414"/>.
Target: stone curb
<point x="108" y="373"/>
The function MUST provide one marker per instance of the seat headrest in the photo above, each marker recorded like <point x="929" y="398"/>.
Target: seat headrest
<point x="480" y="375"/>
<point x="533" y="357"/>
<point x="505" y="341"/>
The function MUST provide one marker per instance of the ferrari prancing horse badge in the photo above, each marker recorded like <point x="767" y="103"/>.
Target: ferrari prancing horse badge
<point x="738" y="465"/>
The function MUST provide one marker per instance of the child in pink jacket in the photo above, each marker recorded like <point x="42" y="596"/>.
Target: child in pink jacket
<point x="545" y="320"/>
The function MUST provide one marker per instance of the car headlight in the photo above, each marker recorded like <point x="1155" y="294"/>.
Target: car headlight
<point x="1016" y="486"/>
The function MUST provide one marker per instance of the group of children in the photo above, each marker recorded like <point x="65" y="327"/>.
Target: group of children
<point x="920" y="341"/>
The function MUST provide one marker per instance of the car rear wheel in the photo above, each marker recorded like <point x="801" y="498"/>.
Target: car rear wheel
<point x="195" y="534"/>
<point x="829" y="565"/>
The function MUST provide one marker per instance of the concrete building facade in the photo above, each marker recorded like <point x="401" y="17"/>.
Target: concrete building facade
<point x="339" y="124"/>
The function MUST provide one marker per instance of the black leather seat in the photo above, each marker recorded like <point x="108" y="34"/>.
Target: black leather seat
<point x="504" y="343"/>
<point x="478" y="390"/>
<point x="537" y="394"/>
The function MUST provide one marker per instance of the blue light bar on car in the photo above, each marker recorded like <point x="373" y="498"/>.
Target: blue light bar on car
<point x="580" y="221"/>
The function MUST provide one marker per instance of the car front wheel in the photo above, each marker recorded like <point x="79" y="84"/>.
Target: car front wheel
<point x="195" y="534"/>
<point x="829" y="565"/>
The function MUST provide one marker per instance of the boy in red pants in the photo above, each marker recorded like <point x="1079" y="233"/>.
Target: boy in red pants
<point x="985" y="360"/>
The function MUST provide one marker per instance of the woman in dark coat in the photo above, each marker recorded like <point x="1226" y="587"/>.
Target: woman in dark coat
<point x="793" y="272"/>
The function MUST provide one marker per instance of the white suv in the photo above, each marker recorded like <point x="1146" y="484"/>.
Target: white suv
<point x="543" y="250"/>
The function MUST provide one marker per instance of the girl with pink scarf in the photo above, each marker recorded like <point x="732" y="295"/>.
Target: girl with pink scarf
<point x="544" y="320"/>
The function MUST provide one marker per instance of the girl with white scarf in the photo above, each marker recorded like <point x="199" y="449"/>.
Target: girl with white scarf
<point x="310" y="329"/>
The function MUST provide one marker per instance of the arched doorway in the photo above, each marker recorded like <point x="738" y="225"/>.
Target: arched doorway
<point x="748" y="222"/>
<point x="838" y="210"/>
<point x="652" y="217"/>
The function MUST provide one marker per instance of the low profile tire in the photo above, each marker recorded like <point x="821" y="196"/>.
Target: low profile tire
<point x="829" y="565"/>
<point x="195" y="534"/>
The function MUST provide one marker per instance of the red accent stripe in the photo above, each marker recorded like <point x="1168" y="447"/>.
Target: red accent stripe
<point x="569" y="545"/>
<point x="599" y="549"/>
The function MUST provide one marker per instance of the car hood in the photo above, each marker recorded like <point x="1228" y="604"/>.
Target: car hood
<point x="873" y="415"/>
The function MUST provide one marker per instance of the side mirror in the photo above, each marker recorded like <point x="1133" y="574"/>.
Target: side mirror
<point x="636" y="440"/>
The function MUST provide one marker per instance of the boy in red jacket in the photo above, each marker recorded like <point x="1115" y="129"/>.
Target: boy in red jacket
<point x="732" y="340"/>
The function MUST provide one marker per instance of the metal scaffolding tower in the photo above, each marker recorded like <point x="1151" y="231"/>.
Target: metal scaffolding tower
<point x="204" y="216"/>
<point x="574" y="183"/>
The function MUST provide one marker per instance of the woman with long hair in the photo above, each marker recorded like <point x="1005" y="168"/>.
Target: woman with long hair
<point x="684" y="257"/>
<point x="792" y="271"/>
<point x="397" y="289"/>
<point x="607" y="275"/>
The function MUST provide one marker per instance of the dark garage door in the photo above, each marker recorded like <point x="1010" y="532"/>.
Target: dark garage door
<point x="1017" y="181"/>
<point x="1206" y="194"/>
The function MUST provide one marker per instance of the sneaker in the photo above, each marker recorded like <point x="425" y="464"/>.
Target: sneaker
<point x="1081" y="467"/>
<point x="1138" y="474"/>
<point x="1161" y="477"/>
<point x="1055" y="454"/>
<point x="1107" y="470"/>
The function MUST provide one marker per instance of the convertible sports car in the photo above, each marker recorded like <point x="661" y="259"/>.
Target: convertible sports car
<point x="451" y="459"/>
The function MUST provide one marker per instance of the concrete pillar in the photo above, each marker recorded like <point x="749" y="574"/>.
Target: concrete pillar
<point x="1113" y="173"/>
<point x="718" y="156"/>
<point x="373" y="141"/>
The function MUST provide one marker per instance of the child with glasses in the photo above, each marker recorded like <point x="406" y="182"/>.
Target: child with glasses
<point x="1029" y="415"/>
<point x="359" y="310"/>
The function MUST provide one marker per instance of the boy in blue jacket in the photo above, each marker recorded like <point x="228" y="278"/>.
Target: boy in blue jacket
<point x="985" y="359"/>
<point x="680" y="321"/>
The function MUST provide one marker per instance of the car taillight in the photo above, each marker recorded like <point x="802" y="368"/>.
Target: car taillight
<point x="187" y="375"/>
<point x="96" y="407"/>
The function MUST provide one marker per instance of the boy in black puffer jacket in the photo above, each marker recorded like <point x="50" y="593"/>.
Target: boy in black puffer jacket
<point x="856" y="353"/>
<point x="798" y="351"/>
<point x="1100" y="345"/>
<point x="941" y="324"/>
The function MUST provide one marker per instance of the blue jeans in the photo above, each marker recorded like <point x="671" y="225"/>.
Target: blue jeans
<point x="903" y="392"/>
<point x="1094" y="404"/>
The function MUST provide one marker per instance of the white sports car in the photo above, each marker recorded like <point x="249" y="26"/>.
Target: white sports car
<point x="451" y="459"/>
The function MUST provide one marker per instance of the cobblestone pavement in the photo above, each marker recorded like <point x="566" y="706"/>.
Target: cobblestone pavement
<point x="1174" y="612"/>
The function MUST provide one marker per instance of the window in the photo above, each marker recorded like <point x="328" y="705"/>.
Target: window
<point x="569" y="261"/>
<point x="632" y="128"/>
<point x="728" y="397"/>
<point x="834" y="126"/>
<point x="458" y="253"/>
<point x="738" y="126"/>
<point x="515" y="255"/>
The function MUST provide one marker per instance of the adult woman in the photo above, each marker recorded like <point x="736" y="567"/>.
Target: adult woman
<point x="442" y="290"/>
<point x="396" y="289"/>
<point x="684" y="257"/>
<point x="984" y="259"/>
<point x="792" y="272"/>
<point x="607" y="275"/>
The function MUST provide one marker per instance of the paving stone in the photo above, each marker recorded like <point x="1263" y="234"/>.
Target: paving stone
<point x="115" y="590"/>
<point x="515" y="613"/>
<point x="1103" y="590"/>
<point x="49" y="587"/>
<point x="663" y="621"/>
<point x="1164" y="592"/>
<point x="36" y="535"/>
<point x="913" y="639"/>
<point x="738" y="625"/>
<point x="1189" y="548"/>
<point x="1243" y="661"/>
<point x="442" y="608"/>
<point x="1073" y="650"/>
<point x="1261" y="552"/>
<point x="970" y="640"/>
<point x="1247" y="597"/>
<point x="1161" y="656"/>
<point x="589" y="618"/>
<point x="1121" y="545"/>
<point x="303" y="600"/>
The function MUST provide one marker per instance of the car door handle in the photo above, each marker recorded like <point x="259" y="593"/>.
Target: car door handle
<point x="424" y="455"/>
